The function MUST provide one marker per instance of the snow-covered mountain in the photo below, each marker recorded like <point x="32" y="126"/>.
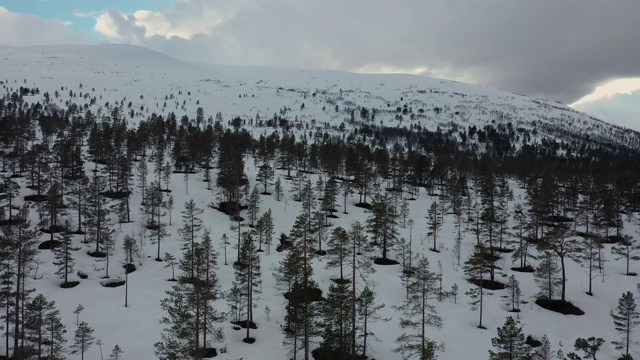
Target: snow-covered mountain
<point x="147" y="78"/>
<point x="147" y="82"/>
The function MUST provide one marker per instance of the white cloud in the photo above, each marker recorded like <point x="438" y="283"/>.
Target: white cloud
<point x="498" y="43"/>
<point x="611" y="89"/>
<point x="620" y="109"/>
<point x="20" y="30"/>
<point x="185" y="20"/>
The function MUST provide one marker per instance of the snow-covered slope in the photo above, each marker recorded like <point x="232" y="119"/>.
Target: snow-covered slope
<point x="153" y="82"/>
<point x="147" y="78"/>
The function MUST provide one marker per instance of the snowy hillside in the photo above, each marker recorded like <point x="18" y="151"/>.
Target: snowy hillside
<point x="139" y="82"/>
<point x="125" y="72"/>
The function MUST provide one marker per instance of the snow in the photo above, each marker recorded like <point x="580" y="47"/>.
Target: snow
<point x="144" y="77"/>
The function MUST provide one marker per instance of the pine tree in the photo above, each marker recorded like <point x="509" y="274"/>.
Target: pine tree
<point x="336" y="322"/>
<point x="116" y="353"/>
<point x="513" y="298"/>
<point x="267" y="229"/>
<point x="97" y="213"/>
<point x="628" y="249"/>
<point x="588" y="256"/>
<point x="143" y="174"/>
<point x="338" y="250"/>
<point x="191" y="227"/>
<point x="265" y="175"/>
<point x="308" y="199"/>
<point x="522" y="245"/>
<point x="546" y="276"/>
<point x="476" y="268"/>
<point x="347" y="190"/>
<point x="381" y="224"/>
<point x="544" y="351"/>
<point x="63" y="257"/>
<point x="510" y="343"/>
<point x="9" y="192"/>
<point x="434" y="224"/>
<point x="129" y="248"/>
<point x="318" y="227"/>
<point x="248" y="279"/>
<point x="78" y="191"/>
<point x="625" y="318"/>
<point x="83" y="339"/>
<point x="329" y="195"/>
<point x="77" y="311"/>
<point x="558" y="240"/>
<point x="253" y="205"/>
<point x="367" y="312"/>
<point x="301" y="311"/>
<point x="278" y="191"/>
<point x="589" y="347"/>
<point x="190" y="316"/>
<point x="404" y="212"/>
<point x="21" y="245"/>
<point x="56" y="331"/>
<point x="44" y="329"/>
<point x="418" y="313"/>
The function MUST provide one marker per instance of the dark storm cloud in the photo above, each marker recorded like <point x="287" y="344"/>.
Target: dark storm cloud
<point x="556" y="49"/>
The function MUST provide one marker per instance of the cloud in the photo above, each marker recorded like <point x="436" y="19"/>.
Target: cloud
<point x="19" y="30"/>
<point x="559" y="50"/>
<point x="611" y="89"/>
<point x="620" y="109"/>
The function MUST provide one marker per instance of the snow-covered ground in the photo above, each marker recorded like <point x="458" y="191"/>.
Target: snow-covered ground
<point x="124" y="73"/>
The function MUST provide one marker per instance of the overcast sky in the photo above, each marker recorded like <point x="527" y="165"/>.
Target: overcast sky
<point x="560" y="50"/>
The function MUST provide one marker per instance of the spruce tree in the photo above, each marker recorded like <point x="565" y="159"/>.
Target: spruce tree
<point x="625" y="319"/>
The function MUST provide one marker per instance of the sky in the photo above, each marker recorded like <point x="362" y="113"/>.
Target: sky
<point x="579" y="52"/>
